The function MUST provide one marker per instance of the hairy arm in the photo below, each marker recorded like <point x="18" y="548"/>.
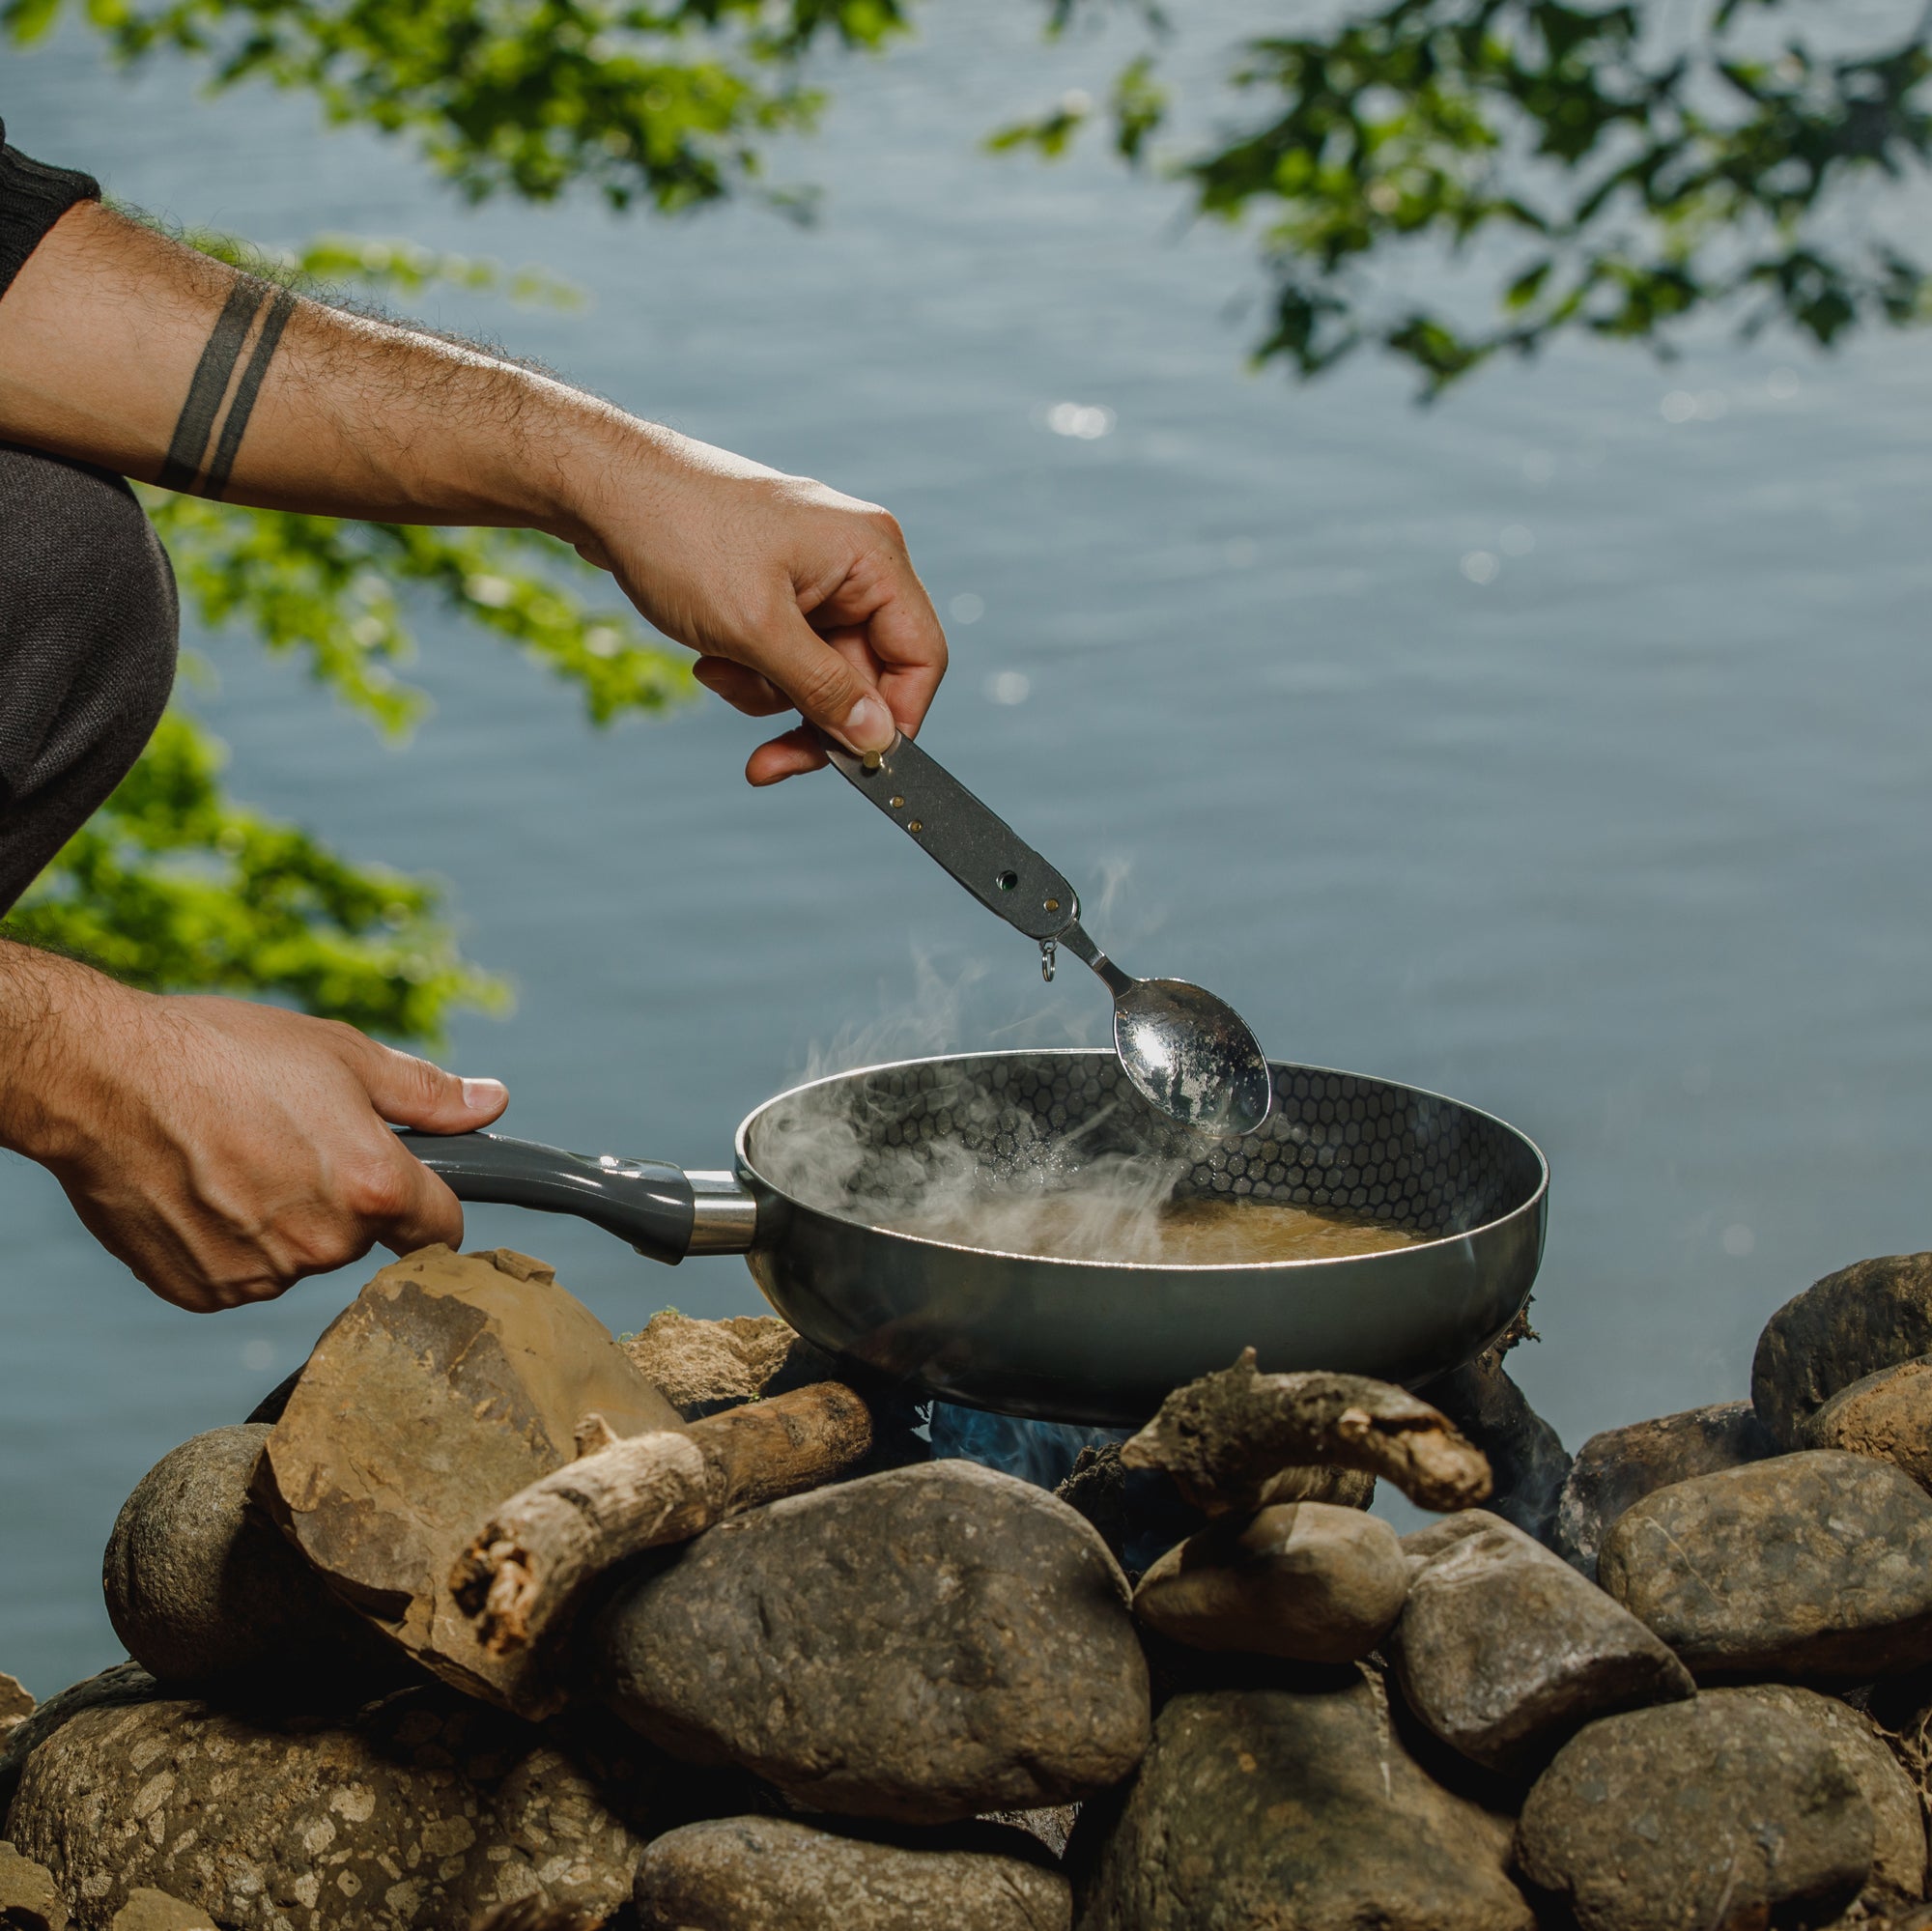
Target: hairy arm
<point x="125" y="348"/>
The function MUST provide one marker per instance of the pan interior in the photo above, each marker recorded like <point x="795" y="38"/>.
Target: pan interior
<point x="870" y="1146"/>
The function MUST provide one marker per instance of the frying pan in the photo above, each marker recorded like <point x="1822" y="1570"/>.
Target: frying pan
<point x="1079" y="1340"/>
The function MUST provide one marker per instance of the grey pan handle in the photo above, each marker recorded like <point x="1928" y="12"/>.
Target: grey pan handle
<point x="663" y="1212"/>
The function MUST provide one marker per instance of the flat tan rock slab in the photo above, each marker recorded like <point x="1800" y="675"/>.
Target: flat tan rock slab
<point x="1721" y="1813"/>
<point x="1294" y="1809"/>
<point x="1306" y="1580"/>
<point x="701" y="1366"/>
<point x="30" y="1900"/>
<point x="1504" y="1650"/>
<point x="1816" y="1565"/>
<point x="420" y="1813"/>
<point x="451" y="1382"/>
<point x="759" y="1873"/>
<point x="16" y="1702"/>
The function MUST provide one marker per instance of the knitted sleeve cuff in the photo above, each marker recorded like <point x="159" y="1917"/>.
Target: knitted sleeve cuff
<point x="33" y="197"/>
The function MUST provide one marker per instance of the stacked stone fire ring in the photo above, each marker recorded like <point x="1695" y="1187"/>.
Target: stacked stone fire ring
<point x="1080" y="1341"/>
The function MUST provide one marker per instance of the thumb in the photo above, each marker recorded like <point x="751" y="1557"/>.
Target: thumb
<point x="827" y="688"/>
<point x="408" y="1092"/>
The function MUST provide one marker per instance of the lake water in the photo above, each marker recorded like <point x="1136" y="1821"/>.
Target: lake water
<point x="1630" y="843"/>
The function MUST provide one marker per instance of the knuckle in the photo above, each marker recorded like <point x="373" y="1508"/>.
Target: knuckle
<point x="825" y="685"/>
<point x="372" y="1189"/>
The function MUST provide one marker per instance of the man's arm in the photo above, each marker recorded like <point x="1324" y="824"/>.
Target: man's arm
<point x="221" y="1150"/>
<point x="125" y="348"/>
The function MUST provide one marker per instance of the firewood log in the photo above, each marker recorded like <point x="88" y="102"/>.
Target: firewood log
<point x="522" y="1569"/>
<point x="1231" y="1440"/>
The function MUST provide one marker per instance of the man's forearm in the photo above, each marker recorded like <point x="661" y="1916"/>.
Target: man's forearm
<point x="123" y="348"/>
<point x="46" y="1005"/>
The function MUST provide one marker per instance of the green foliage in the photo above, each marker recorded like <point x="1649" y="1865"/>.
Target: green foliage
<point x="171" y="886"/>
<point x="666" y="103"/>
<point x="335" y="595"/>
<point x="393" y="268"/>
<point x="1640" y="176"/>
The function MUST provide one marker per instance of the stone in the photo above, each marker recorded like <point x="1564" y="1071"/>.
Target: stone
<point x="30" y="1900"/>
<point x="1886" y="1415"/>
<point x="1307" y="1580"/>
<point x="422" y="1810"/>
<point x="1840" y="1329"/>
<point x="1294" y="1807"/>
<point x="149" y="1910"/>
<point x="201" y="1584"/>
<point x="1623" y="1465"/>
<point x="124" y="1683"/>
<point x="756" y="1873"/>
<point x="701" y="1366"/>
<point x="1527" y="1458"/>
<point x="920" y="1645"/>
<point x="1721" y="1813"/>
<point x="451" y="1382"/>
<point x="1899" y="1843"/>
<point x="1504" y="1652"/>
<point x="16" y="1702"/>
<point x="1814" y="1564"/>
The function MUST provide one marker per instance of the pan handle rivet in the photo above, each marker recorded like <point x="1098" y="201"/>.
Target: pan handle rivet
<point x="914" y="825"/>
<point x="1053" y="905"/>
<point x="872" y="759"/>
<point x="897" y="803"/>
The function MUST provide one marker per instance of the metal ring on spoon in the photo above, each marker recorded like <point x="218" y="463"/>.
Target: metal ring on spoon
<point x="1191" y="1054"/>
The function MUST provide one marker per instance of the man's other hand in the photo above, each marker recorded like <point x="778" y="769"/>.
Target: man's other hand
<point x="794" y="596"/>
<point x="224" y="1149"/>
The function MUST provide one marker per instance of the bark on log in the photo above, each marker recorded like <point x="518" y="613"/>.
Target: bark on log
<point x="1229" y="1440"/>
<point x="522" y="1568"/>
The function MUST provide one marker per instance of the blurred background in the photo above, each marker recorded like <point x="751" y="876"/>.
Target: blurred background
<point x="1549" y="729"/>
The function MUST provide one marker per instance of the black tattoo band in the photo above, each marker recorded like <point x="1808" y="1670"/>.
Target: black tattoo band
<point x="209" y="386"/>
<point x="247" y="390"/>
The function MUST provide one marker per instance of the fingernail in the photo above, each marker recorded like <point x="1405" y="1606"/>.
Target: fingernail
<point x="869" y="726"/>
<point x="484" y="1096"/>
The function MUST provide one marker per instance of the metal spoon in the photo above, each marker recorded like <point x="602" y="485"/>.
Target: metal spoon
<point x="1191" y="1054"/>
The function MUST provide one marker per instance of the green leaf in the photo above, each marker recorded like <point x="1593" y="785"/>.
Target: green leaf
<point x="173" y="887"/>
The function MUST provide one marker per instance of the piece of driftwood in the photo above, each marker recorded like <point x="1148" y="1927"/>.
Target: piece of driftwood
<point x="1230" y="1439"/>
<point x="522" y="1570"/>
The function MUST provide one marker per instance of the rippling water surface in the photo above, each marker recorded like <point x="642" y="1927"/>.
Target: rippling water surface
<point x="1563" y="747"/>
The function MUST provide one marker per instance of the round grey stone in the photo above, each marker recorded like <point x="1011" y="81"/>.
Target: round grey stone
<point x="923" y="1645"/>
<point x="1307" y="1580"/>
<point x="1292" y="1808"/>
<point x="755" y="1873"/>
<point x="1504" y="1650"/>
<point x="1814" y="1565"/>
<point x="423" y="1810"/>
<point x="201" y="1585"/>
<point x="1721" y="1813"/>
<point x="1870" y="1316"/>
<point x="1620" y="1466"/>
<point x="1898" y="1844"/>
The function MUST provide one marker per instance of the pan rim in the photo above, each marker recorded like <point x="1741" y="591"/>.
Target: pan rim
<point x="1532" y="1204"/>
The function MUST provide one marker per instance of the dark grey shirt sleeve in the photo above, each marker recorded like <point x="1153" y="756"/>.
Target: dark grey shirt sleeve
<point x="33" y="197"/>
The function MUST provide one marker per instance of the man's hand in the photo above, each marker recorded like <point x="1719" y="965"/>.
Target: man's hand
<point x="222" y="1150"/>
<point x="793" y="596"/>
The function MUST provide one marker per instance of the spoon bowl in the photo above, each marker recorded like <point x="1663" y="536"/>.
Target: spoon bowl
<point x="1192" y="1055"/>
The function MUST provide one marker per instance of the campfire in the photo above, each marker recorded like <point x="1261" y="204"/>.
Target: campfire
<point x="489" y="1618"/>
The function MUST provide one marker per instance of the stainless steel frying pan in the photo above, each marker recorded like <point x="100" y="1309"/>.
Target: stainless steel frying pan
<point x="1079" y="1340"/>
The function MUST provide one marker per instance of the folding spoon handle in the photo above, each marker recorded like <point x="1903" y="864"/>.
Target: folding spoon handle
<point x="976" y="845"/>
